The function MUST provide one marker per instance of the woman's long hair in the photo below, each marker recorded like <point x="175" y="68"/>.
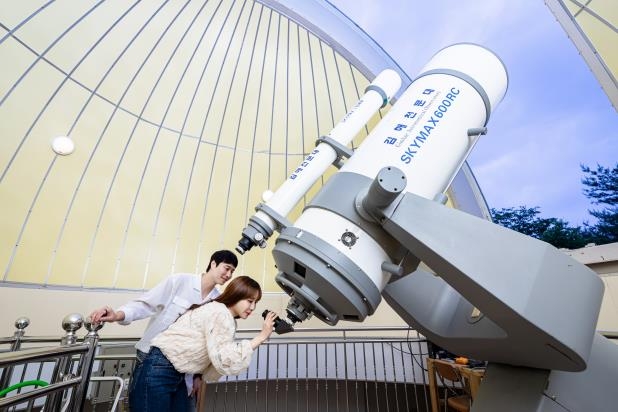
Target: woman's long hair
<point x="241" y="287"/>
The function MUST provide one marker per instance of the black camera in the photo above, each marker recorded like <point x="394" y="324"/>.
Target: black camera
<point x="281" y="326"/>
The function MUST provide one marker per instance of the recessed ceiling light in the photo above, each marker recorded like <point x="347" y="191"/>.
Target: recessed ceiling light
<point x="63" y="145"/>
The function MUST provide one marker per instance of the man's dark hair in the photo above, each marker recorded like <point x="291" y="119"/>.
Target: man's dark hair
<point x="224" y="256"/>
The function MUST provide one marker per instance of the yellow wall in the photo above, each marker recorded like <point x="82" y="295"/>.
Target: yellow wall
<point x="603" y="260"/>
<point x="46" y="307"/>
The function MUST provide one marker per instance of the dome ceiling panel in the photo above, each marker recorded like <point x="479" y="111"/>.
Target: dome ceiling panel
<point x="182" y="114"/>
<point x="593" y="27"/>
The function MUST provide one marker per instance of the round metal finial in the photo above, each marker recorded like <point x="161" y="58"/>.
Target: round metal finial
<point x="22" y="323"/>
<point x="72" y="322"/>
<point x="92" y="327"/>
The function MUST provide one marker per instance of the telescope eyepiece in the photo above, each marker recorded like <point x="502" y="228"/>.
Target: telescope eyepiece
<point x="244" y="245"/>
<point x="281" y="326"/>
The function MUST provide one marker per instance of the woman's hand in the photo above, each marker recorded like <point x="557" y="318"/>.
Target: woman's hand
<point x="267" y="329"/>
<point x="269" y="325"/>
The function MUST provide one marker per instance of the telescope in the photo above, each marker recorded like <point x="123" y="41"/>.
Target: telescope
<point x="482" y="291"/>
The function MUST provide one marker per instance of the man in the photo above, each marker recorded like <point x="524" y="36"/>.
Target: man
<point x="167" y="301"/>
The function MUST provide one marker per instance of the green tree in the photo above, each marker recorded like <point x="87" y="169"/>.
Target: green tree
<point x="601" y="184"/>
<point x="602" y="188"/>
<point x="522" y="219"/>
<point x="554" y="231"/>
<point x="561" y="235"/>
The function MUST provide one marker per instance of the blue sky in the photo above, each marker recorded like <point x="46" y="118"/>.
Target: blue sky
<point x="554" y="117"/>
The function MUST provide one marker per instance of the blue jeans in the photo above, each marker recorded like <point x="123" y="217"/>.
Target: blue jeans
<point x="158" y="387"/>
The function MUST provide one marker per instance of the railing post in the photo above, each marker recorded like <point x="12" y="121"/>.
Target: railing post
<point x="85" y="369"/>
<point x="21" y="324"/>
<point x="71" y="323"/>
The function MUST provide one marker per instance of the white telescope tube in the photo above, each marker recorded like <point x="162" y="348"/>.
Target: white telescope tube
<point x="426" y="135"/>
<point x="377" y="95"/>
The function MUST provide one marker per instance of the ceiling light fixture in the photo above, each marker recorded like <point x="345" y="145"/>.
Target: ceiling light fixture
<point x="63" y="145"/>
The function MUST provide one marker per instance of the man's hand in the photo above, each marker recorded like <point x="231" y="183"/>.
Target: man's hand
<point x="106" y="314"/>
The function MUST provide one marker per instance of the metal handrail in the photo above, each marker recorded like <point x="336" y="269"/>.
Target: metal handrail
<point x="37" y="393"/>
<point x="120" y="387"/>
<point x="51" y="339"/>
<point x="300" y="343"/>
<point x="63" y="358"/>
<point x="34" y="354"/>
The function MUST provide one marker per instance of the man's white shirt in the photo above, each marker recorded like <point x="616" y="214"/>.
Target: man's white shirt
<point x="164" y="304"/>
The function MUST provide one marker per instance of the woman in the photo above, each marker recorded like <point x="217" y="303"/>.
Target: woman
<point x="200" y="341"/>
